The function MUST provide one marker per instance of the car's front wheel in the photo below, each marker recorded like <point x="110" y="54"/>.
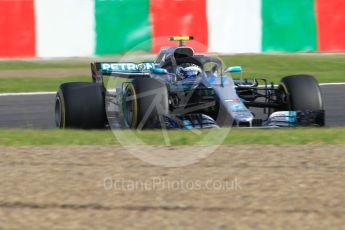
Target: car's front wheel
<point x="300" y="93"/>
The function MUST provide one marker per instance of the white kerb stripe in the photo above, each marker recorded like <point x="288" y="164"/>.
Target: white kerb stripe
<point x="65" y="28"/>
<point x="234" y="26"/>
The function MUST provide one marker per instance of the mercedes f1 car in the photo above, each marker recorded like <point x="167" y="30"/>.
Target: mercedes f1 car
<point x="182" y="89"/>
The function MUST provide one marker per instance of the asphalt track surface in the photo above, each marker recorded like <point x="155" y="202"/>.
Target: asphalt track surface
<point x="37" y="111"/>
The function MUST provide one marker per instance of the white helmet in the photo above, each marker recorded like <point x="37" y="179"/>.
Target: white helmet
<point x="188" y="70"/>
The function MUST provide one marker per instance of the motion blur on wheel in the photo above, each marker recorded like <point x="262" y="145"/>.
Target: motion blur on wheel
<point x="184" y="90"/>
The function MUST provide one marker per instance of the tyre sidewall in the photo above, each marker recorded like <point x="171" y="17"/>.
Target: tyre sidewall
<point x="151" y="104"/>
<point x="302" y="93"/>
<point x="82" y="105"/>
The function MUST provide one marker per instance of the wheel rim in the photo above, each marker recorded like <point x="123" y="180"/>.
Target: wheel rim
<point x="58" y="112"/>
<point x="130" y="108"/>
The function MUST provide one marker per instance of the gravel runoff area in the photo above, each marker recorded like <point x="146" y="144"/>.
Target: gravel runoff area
<point x="237" y="187"/>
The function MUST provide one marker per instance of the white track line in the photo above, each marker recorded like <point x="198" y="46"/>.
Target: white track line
<point x="50" y="93"/>
<point x="26" y="94"/>
<point x="335" y="83"/>
<point x="321" y="84"/>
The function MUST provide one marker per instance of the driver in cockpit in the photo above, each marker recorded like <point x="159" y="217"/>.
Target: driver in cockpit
<point x="187" y="70"/>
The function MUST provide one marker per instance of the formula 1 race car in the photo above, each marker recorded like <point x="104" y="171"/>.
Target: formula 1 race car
<point x="181" y="89"/>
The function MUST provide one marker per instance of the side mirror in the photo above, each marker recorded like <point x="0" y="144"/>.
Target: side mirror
<point x="157" y="70"/>
<point x="233" y="69"/>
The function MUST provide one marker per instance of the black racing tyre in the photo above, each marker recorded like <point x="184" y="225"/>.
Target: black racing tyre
<point x="80" y="105"/>
<point x="301" y="93"/>
<point x="145" y="102"/>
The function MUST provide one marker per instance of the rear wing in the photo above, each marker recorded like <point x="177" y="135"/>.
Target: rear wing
<point x="120" y="69"/>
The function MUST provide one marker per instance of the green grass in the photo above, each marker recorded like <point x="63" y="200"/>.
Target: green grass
<point x="326" y="68"/>
<point x="40" y="64"/>
<point x="297" y="136"/>
<point x="36" y="84"/>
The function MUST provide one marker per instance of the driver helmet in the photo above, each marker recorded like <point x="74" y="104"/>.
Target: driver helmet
<point x="188" y="71"/>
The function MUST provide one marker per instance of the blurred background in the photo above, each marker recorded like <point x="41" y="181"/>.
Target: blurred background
<point x="82" y="28"/>
<point x="54" y="179"/>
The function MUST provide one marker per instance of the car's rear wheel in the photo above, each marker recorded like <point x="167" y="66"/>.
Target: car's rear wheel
<point x="145" y="102"/>
<point x="80" y="105"/>
<point x="300" y="93"/>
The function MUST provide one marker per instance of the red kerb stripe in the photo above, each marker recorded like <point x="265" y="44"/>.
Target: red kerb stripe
<point x="17" y="28"/>
<point x="176" y="17"/>
<point x="331" y="24"/>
